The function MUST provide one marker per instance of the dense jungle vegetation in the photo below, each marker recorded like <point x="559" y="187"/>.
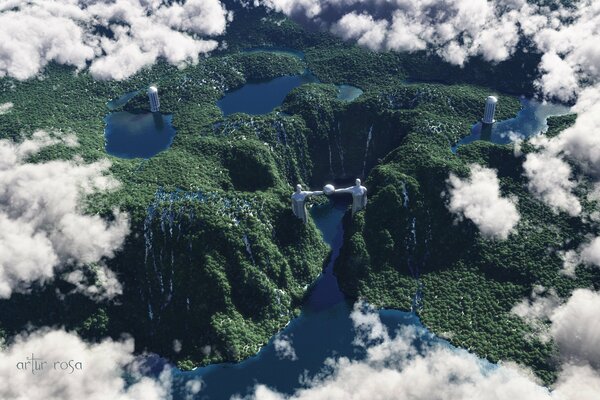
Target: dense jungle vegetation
<point x="217" y="261"/>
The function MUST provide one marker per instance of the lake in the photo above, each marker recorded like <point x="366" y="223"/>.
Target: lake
<point x="531" y="120"/>
<point x="262" y="97"/>
<point x="137" y="135"/>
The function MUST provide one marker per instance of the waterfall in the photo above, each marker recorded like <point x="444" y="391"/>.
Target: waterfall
<point x="330" y="163"/>
<point x="171" y="214"/>
<point x="404" y="195"/>
<point x="411" y="244"/>
<point x="340" y="149"/>
<point x="369" y="137"/>
<point x="248" y="248"/>
<point x="150" y="313"/>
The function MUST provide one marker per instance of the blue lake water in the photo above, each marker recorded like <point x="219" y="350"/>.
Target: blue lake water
<point x="324" y="329"/>
<point x="137" y="135"/>
<point x="262" y="97"/>
<point x="531" y="120"/>
<point x="348" y="93"/>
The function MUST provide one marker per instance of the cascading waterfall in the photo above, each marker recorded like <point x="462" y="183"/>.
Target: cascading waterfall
<point x="340" y="149"/>
<point x="330" y="163"/>
<point x="164" y="217"/>
<point x="411" y="245"/>
<point x="404" y="196"/>
<point x="248" y="247"/>
<point x="369" y="137"/>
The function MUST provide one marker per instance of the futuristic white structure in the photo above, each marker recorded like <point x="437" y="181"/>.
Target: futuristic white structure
<point x="359" y="196"/>
<point x="299" y="202"/>
<point x="490" y="110"/>
<point x="358" y="192"/>
<point x="153" y="97"/>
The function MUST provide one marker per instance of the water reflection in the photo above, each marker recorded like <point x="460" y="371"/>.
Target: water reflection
<point x="323" y="330"/>
<point x="263" y="97"/>
<point x="137" y="135"/>
<point x="531" y="120"/>
<point x="348" y="93"/>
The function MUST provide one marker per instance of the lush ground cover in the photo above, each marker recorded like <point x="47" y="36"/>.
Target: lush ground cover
<point x="216" y="260"/>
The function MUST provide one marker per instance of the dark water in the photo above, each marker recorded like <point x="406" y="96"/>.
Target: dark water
<point x="140" y="135"/>
<point x="263" y="97"/>
<point x="348" y="93"/>
<point x="531" y="120"/>
<point x="324" y="329"/>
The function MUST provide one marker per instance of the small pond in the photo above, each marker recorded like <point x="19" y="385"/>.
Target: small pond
<point x="348" y="93"/>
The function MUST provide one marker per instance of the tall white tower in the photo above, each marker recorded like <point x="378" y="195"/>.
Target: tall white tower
<point x="490" y="110"/>
<point x="153" y="97"/>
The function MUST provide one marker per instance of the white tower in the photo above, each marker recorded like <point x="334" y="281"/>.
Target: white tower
<point x="153" y="97"/>
<point x="490" y="110"/>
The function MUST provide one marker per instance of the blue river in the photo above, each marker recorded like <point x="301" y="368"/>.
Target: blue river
<point x="324" y="329"/>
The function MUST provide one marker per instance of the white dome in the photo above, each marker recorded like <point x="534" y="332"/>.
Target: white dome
<point x="152" y="89"/>
<point x="492" y="100"/>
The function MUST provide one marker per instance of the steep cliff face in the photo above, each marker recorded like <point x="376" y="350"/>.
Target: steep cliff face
<point x="408" y="251"/>
<point x="215" y="261"/>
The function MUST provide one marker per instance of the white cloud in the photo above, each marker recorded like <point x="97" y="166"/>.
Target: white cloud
<point x="590" y="252"/>
<point x="478" y="198"/>
<point x="577" y="382"/>
<point x="42" y="227"/>
<point x="549" y="173"/>
<point x="537" y="309"/>
<point x="455" y="29"/>
<point x="99" y="376"/>
<point x="581" y="142"/>
<point x="193" y="387"/>
<point x="5" y="108"/>
<point x="103" y="283"/>
<point x="570" y="261"/>
<point x="284" y="348"/>
<point x="575" y="38"/>
<point x="550" y="181"/>
<point x="576" y="328"/>
<point x="394" y="369"/>
<point x="65" y="31"/>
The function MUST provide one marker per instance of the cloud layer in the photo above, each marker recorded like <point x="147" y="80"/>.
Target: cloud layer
<point x="284" y="348"/>
<point x="42" y="227"/>
<point x="576" y="328"/>
<point x="478" y="198"/>
<point x="459" y="29"/>
<point x="76" y="32"/>
<point x="395" y="369"/>
<point x="99" y="376"/>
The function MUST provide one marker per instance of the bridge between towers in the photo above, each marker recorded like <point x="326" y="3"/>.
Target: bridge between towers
<point x="299" y="197"/>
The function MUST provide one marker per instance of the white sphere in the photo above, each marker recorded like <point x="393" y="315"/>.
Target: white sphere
<point x="328" y="189"/>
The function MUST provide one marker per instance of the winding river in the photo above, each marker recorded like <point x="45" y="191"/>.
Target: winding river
<point x="324" y="329"/>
